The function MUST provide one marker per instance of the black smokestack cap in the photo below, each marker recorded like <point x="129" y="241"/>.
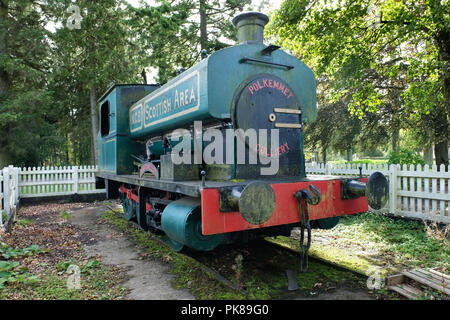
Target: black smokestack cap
<point x="250" y="26"/>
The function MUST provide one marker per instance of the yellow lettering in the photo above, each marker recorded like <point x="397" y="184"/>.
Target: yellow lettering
<point x="176" y="99"/>
<point x="148" y="116"/>
<point x="186" y="92"/>
<point x="192" y="95"/>
<point x="181" y="98"/>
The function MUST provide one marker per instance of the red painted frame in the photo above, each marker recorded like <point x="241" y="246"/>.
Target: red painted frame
<point x="130" y="193"/>
<point x="286" y="208"/>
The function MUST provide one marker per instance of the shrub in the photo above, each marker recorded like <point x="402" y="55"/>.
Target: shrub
<point x="404" y="156"/>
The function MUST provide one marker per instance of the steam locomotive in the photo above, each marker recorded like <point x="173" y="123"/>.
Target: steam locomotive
<point x="235" y="189"/>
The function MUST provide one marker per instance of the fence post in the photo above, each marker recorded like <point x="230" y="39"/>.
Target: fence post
<point x="328" y="169"/>
<point x="6" y="191"/>
<point x="16" y="184"/>
<point x="75" y="179"/>
<point x="12" y="188"/>
<point x="393" y="188"/>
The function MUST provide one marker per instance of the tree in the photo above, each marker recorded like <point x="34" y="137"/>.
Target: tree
<point x="389" y="56"/>
<point x="27" y="120"/>
<point x="100" y="53"/>
<point x="174" y="33"/>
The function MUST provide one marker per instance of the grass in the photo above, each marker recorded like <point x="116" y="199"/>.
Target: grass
<point x="372" y="242"/>
<point x="17" y="282"/>
<point x="24" y="222"/>
<point x="260" y="269"/>
<point x="27" y="273"/>
<point x="98" y="284"/>
<point x="360" y="161"/>
<point x="66" y="215"/>
<point x="362" y="242"/>
<point x="406" y="242"/>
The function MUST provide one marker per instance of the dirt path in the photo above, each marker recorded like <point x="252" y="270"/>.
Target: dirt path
<point x="147" y="279"/>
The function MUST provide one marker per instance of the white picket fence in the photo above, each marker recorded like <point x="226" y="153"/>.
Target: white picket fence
<point x="18" y="183"/>
<point x="57" y="181"/>
<point x="420" y="193"/>
<point x="9" y="196"/>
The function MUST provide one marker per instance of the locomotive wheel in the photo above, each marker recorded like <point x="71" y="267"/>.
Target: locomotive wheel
<point x="141" y="208"/>
<point x="129" y="208"/>
<point x="181" y="222"/>
<point x="176" y="246"/>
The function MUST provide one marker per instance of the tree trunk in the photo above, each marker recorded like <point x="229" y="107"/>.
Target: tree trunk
<point x="203" y="26"/>
<point x="324" y="155"/>
<point x="349" y="154"/>
<point x="395" y="138"/>
<point x="4" y="79"/>
<point x="441" y="147"/>
<point x="441" y="154"/>
<point x="428" y="154"/>
<point x="94" y="118"/>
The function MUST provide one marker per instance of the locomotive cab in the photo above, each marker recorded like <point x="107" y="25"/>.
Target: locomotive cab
<point x="113" y="139"/>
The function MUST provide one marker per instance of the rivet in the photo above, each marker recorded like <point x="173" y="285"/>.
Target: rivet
<point x="272" y="117"/>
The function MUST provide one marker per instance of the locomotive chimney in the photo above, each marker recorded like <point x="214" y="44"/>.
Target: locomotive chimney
<point x="250" y="26"/>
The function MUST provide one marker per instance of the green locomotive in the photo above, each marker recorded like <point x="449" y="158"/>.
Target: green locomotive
<point x="207" y="201"/>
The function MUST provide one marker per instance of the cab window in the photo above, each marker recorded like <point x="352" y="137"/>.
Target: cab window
<point x="104" y="119"/>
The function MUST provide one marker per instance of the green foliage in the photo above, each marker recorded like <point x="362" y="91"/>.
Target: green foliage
<point x="27" y="127"/>
<point x="63" y="266"/>
<point x="24" y="222"/>
<point x="11" y="271"/>
<point x="87" y="268"/>
<point x="364" y="241"/>
<point x="66" y="215"/>
<point x="173" y="33"/>
<point x="361" y="161"/>
<point x="405" y="156"/>
<point x="7" y="252"/>
<point x="385" y="61"/>
<point x="101" y="283"/>
<point x="91" y="264"/>
<point x="51" y="75"/>
<point x="406" y="241"/>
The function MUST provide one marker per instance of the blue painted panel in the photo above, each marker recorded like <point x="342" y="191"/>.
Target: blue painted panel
<point x="112" y="112"/>
<point x="216" y="80"/>
<point x="226" y="73"/>
<point x="174" y="105"/>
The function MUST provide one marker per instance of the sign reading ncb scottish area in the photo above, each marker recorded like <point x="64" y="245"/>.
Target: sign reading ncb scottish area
<point x="179" y="98"/>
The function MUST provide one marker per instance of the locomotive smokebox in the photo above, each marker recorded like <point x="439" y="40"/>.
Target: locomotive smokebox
<point x="250" y="26"/>
<point x="376" y="190"/>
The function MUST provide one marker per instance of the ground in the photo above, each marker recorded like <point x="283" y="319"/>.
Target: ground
<point x="146" y="279"/>
<point x="118" y="261"/>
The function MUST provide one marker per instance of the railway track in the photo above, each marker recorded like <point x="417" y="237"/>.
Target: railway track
<point x="264" y="265"/>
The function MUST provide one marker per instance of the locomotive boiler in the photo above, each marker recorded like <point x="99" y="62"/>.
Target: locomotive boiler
<point x="236" y="93"/>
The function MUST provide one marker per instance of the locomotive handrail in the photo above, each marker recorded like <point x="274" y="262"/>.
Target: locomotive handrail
<point x="245" y="59"/>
